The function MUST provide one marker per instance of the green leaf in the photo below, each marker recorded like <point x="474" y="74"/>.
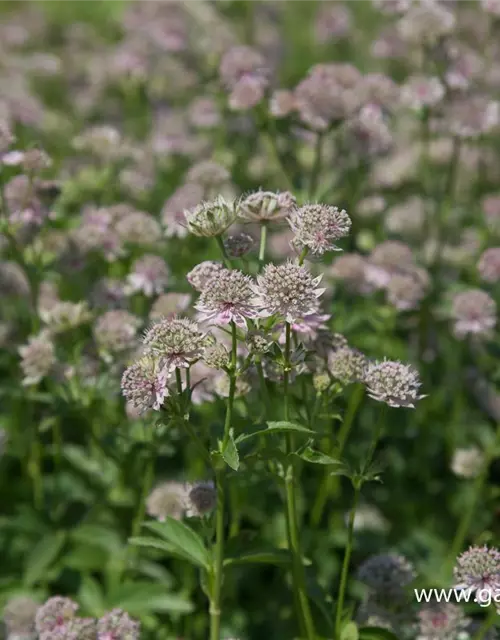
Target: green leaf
<point x="230" y="452"/>
<point x="276" y="427"/>
<point x="43" y="556"/>
<point x="184" y="541"/>
<point x="376" y="633"/>
<point x="349" y="632"/>
<point x="91" y="597"/>
<point x="316" y="457"/>
<point x="138" y="598"/>
<point x="271" y="556"/>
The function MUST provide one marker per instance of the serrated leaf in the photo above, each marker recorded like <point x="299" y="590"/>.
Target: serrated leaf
<point x="184" y="541"/>
<point x="138" y="598"/>
<point x="376" y="633"/>
<point x="230" y="453"/>
<point x="316" y="457"/>
<point x="43" y="556"/>
<point x="349" y="632"/>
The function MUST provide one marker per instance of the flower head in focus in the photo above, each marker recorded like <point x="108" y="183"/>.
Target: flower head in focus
<point x="288" y="290"/>
<point x="176" y="342"/>
<point x="145" y="384"/>
<point x="347" y="365"/>
<point x="394" y="383"/>
<point x="203" y="272"/>
<point x="227" y="297"/>
<point x="266" y="206"/>
<point x="211" y="219"/>
<point x="478" y="569"/>
<point x="319" y="226"/>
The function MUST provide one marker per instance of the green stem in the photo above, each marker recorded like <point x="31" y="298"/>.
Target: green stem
<point x="331" y="483"/>
<point x="187" y="425"/>
<point x="147" y="485"/>
<point x="58" y="443"/>
<point x="345" y="564"/>
<point x="263" y="386"/>
<point x="487" y="623"/>
<point x="376" y="437"/>
<point x="299" y="581"/>
<point x="232" y="386"/>
<point x="225" y="257"/>
<point x="217" y="568"/>
<point x="263" y="241"/>
<point x="303" y="255"/>
<point x="35" y="470"/>
<point x="468" y="513"/>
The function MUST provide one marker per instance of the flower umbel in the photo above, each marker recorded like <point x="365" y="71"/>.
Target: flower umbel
<point x="144" y="384"/>
<point x="319" y="226"/>
<point x="211" y="219"/>
<point x="288" y="290"/>
<point x="478" y="568"/>
<point x="228" y="297"/>
<point x="176" y="342"/>
<point x="394" y="383"/>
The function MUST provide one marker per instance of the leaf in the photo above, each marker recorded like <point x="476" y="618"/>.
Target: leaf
<point x="138" y="598"/>
<point x="271" y="556"/>
<point x="316" y="457"/>
<point x="184" y="540"/>
<point x="97" y="536"/>
<point x="43" y="556"/>
<point x="376" y="633"/>
<point x="349" y="632"/>
<point x="91" y="596"/>
<point x="230" y="453"/>
<point x="276" y="427"/>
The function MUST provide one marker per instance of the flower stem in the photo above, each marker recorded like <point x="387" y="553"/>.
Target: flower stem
<point x="225" y="257"/>
<point x="232" y="386"/>
<point x="303" y="255"/>
<point x="147" y="484"/>
<point x="468" y="513"/>
<point x="263" y="241"/>
<point x="487" y="623"/>
<point x="217" y="568"/>
<point x="345" y="564"/>
<point x="299" y="581"/>
<point x="329" y="482"/>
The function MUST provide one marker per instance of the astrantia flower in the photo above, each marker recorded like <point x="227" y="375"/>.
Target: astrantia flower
<point x="425" y="23"/>
<point x="287" y="290"/>
<point x="64" y="315"/>
<point x="474" y="312"/>
<point x="208" y="174"/>
<point x="177" y="342"/>
<point x="115" y="332"/>
<point x="422" y="91"/>
<point x="216" y="356"/>
<point x="387" y="574"/>
<point x="145" y="384"/>
<point x="266" y="206"/>
<point x="441" y="621"/>
<point x="55" y="614"/>
<point x="185" y="197"/>
<point x="149" y="274"/>
<point x="385" y="260"/>
<point x="201" y="499"/>
<point x="318" y="226"/>
<point x="203" y="272"/>
<point x="347" y="364"/>
<point x="239" y="245"/>
<point x="394" y="383"/>
<point x="139" y="229"/>
<point x="406" y="290"/>
<point x="489" y="265"/>
<point x="227" y="297"/>
<point x="350" y="269"/>
<point x="478" y="569"/>
<point x="167" y="499"/>
<point x="38" y="358"/>
<point x="211" y="219"/>
<point x="117" y="624"/>
<point x="467" y="463"/>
